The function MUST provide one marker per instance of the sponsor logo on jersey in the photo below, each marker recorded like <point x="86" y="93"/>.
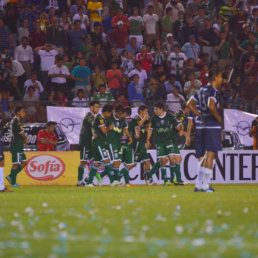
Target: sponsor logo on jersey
<point x="45" y="167"/>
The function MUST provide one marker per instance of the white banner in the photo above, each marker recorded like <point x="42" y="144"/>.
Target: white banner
<point x="231" y="167"/>
<point x="239" y="122"/>
<point x="70" y="119"/>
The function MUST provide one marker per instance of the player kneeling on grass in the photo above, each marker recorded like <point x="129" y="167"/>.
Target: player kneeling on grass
<point x="161" y="124"/>
<point x="85" y="140"/>
<point x="99" y="151"/>
<point x="19" y="159"/>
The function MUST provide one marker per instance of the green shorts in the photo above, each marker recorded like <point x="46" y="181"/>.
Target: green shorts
<point x="85" y="153"/>
<point x="164" y="150"/>
<point x="115" y="151"/>
<point x="128" y="155"/>
<point x="140" y="152"/>
<point x="99" y="153"/>
<point x="18" y="157"/>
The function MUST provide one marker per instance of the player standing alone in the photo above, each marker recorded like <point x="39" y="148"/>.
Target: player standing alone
<point x="85" y="140"/>
<point x="19" y="159"/>
<point x="208" y="101"/>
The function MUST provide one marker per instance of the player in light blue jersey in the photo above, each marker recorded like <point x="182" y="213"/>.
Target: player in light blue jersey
<point x="208" y="100"/>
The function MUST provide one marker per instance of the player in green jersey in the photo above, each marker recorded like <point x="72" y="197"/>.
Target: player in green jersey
<point x="19" y="159"/>
<point x="85" y="140"/>
<point x="141" y="129"/>
<point x="161" y="125"/>
<point x="99" y="151"/>
<point x="114" y="142"/>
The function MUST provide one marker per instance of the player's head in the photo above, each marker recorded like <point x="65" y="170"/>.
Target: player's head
<point x="51" y="125"/>
<point x="107" y="110"/>
<point x="20" y="112"/>
<point x="119" y="111"/>
<point x="215" y="78"/>
<point x="102" y="89"/>
<point x="128" y="111"/>
<point x="94" y="107"/>
<point x="185" y="109"/>
<point x="159" y="109"/>
<point x="143" y="110"/>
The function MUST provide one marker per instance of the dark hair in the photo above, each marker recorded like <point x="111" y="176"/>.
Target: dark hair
<point x="31" y="87"/>
<point x="128" y="111"/>
<point x="168" y="10"/>
<point x="18" y="110"/>
<point x="51" y="123"/>
<point x="142" y="108"/>
<point x="159" y="105"/>
<point x="107" y="108"/>
<point x="24" y="38"/>
<point x="96" y="24"/>
<point x="102" y="86"/>
<point x="94" y="102"/>
<point x="80" y="90"/>
<point x="119" y="108"/>
<point x="150" y="6"/>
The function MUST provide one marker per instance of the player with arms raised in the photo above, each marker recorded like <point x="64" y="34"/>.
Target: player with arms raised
<point x="208" y="100"/>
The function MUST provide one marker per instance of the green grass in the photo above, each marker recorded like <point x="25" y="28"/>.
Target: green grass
<point x="141" y="221"/>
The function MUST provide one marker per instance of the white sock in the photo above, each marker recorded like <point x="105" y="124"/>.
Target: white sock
<point x="200" y="177"/>
<point x="2" y="179"/>
<point x="86" y="172"/>
<point x="199" y="164"/>
<point x="207" y="178"/>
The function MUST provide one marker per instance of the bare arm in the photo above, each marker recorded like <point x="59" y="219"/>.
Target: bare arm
<point x="213" y="110"/>
<point x="149" y="133"/>
<point x="192" y="106"/>
<point x="126" y="132"/>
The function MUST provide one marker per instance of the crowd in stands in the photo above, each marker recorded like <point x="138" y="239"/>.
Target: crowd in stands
<point x="65" y="52"/>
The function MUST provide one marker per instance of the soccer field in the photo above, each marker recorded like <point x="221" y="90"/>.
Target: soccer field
<point x="140" y="221"/>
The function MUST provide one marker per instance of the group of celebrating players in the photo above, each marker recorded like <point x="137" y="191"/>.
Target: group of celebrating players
<point x="113" y="137"/>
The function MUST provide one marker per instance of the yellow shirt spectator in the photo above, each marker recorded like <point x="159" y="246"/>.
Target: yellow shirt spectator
<point x="94" y="7"/>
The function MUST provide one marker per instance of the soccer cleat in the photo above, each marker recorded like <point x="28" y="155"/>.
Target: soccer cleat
<point x="116" y="183"/>
<point x="167" y="184"/>
<point x="150" y="181"/>
<point x="182" y="183"/>
<point x="128" y="185"/>
<point x="15" y="185"/>
<point x="98" y="176"/>
<point x="89" y="185"/>
<point x="8" y="178"/>
<point x="174" y="182"/>
<point x="100" y="180"/>
<point x="81" y="184"/>
<point x="5" y="190"/>
<point x="209" y="190"/>
<point x="197" y="189"/>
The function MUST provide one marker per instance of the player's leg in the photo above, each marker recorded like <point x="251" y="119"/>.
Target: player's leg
<point x="19" y="161"/>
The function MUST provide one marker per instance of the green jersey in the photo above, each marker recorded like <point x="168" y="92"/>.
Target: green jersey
<point x="163" y="127"/>
<point x="103" y="99"/>
<point x="86" y="130"/>
<point x="115" y="135"/>
<point x="143" y="129"/>
<point x="131" y="126"/>
<point x="16" y="130"/>
<point x="99" y="137"/>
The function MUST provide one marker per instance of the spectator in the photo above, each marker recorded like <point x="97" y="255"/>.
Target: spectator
<point x="114" y="77"/>
<point x="177" y="8"/>
<point x="158" y="54"/>
<point x="251" y="66"/>
<point x="236" y="84"/>
<point x="81" y="74"/>
<point x="136" y="27"/>
<point x="74" y="8"/>
<point x="23" y="31"/>
<point x="37" y="37"/>
<point x="204" y="77"/>
<point x="29" y="15"/>
<point x="175" y="100"/>
<point x="87" y="47"/>
<point x="103" y="97"/>
<point x="166" y="23"/>
<point x="178" y="27"/>
<point x="98" y="78"/>
<point x="145" y="59"/>
<point x="118" y="37"/>
<point x="192" y="8"/>
<point x="157" y="8"/>
<point x="132" y="46"/>
<point x="135" y="92"/>
<point x="249" y="93"/>
<point x="79" y="101"/>
<point x="191" y="86"/>
<point x="56" y="35"/>
<point x="121" y="100"/>
<point x="96" y="34"/>
<point x="61" y="99"/>
<point x="95" y="9"/>
<point x="199" y="19"/>
<point x="24" y="54"/>
<point x="5" y="105"/>
<point x="59" y="74"/>
<point x="188" y="29"/>
<point x="192" y="49"/>
<point x="14" y="89"/>
<point x="46" y="138"/>
<point x="77" y="35"/>
<point x="47" y="55"/>
<point x="127" y="64"/>
<point x="169" y="44"/>
<point x="235" y="101"/>
<point x="253" y="133"/>
<point x="83" y="18"/>
<point x="122" y="18"/>
<point x="35" y="84"/>
<point x="151" y="27"/>
<point x="171" y="83"/>
<point x="31" y="105"/>
<point x="141" y="73"/>
<point x="6" y="38"/>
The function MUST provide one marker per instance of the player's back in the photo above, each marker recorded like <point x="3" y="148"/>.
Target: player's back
<point x="86" y="129"/>
<point x="116" y="134"/>
<point x="16" y="130"/>
<point x="100" y="138"/>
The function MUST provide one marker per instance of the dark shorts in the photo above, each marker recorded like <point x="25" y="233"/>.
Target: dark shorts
<point x="140" y="152"/>
<point x="212" y="139"/>
<point x="85" y="153"/>
<point x="1" y="151"/>
<point x="199" y="143"/>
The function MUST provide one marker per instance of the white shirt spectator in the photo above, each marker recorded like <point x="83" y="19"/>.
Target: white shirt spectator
<point x="79" y="102"/>
<point x="36" y="84"/>
<point x="192" y="89"/>
<point x="23" y="54"/>
<point x="47" y="59"/>
<point x="142" y="75"/>
<point x="54" y="69"/>
<point x="150" y="21"/>
<point x="17" y="69"/>
<point x="177" y="62"/>
<point x="174" y="102"/>
<point x="84" y="19"/>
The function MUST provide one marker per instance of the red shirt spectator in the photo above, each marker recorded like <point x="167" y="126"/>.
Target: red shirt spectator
<point x="37" y="37"/>
<point x="145" y="59"/>
<point x="46" y="138"/>
<point x="118" y="37"/>
<point x="114" y="77"/>
<point x="121" y="17"/>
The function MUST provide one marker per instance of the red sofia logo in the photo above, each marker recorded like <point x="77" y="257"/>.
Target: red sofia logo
<point x="45" y="167"/>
